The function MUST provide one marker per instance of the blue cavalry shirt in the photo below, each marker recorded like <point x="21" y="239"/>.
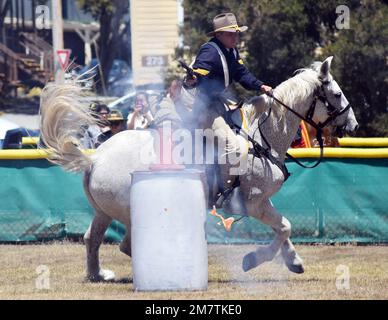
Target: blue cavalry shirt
<point x="210" y="73"/>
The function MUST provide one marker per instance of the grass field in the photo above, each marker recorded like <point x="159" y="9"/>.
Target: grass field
<point x="368" y="270"/>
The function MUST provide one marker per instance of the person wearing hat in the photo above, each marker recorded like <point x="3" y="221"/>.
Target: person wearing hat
<point x="217" y="65"/>
<point x="116" y="124"/>
<point x="100" y="112"/>
<point x="211" y="76"/>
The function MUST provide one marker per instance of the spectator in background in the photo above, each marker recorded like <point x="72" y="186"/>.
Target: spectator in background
<point x="103" y="112"/>
<point x="174" y="91"/>
<point x="116" y="125"/>
<point x="182" y="101"/>
<point x="141" y="117"/>
<point x="100" y="112"/>
<point x="298" y="142"/>
<point x="306" y="137"/>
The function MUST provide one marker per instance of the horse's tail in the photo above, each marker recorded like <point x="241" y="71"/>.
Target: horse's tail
<point x="62" y="125"/>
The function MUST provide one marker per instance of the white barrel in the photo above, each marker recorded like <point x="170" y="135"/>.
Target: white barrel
<point x="168" y="216"/>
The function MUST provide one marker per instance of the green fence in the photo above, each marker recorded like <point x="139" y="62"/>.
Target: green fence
<point x="342" y="200"/>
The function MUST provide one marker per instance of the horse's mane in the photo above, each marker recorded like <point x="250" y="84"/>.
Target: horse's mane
<point x="297" y="89"/>
<point x="294" y="91"/>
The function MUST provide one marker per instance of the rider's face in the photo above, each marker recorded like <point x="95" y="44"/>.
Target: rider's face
<point x="228" y="39"/>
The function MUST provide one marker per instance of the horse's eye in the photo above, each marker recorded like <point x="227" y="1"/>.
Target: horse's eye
<point x="338" y="94"/>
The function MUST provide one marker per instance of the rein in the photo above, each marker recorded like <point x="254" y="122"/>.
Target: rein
<point x="317" y="126"/>
<point x="259" y="151"/>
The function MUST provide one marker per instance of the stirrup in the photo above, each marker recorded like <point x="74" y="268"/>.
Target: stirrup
<point x="232" y="202"/>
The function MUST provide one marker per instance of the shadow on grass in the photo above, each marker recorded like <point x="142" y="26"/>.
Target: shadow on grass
<point x="235" y="281"/>
<point x="124" y="280"/>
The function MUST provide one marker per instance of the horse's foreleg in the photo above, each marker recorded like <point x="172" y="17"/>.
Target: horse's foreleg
<point x="283" y="231"/>
<point x="282" y="228"/>
<point x="293" y="261"/>
<point x="93" y="238"/>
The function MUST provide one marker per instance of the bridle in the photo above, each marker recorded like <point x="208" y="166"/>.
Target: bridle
<point x="259" y="151"/>
<point x="320" y="95"/>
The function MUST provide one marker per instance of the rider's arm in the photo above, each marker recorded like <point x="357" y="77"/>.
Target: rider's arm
<point x="205" y="61"/>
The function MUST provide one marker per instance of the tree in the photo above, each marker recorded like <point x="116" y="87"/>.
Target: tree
<point x="110" y="14"/>
<point x="279" y="42"/>
<point x="360" y="65"/>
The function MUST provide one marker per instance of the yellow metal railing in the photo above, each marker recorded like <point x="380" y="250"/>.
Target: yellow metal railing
<point x="344" y="142"/>
<point x="27" y="154"/>
<point x="298" y="153"/>
<point x="340" y="153"/>
<point x="363" y="142"/>
<point x="373" y="148"/>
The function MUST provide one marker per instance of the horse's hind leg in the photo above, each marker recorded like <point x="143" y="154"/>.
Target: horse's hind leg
<point x="282" y="228"/>
<point x="93" y="238"/>
<point x="125" y="245"/>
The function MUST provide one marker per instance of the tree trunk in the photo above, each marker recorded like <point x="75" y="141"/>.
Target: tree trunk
<point x="109" y="40"/>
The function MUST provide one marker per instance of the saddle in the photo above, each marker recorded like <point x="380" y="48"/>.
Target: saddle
<point x="229" y="107"/>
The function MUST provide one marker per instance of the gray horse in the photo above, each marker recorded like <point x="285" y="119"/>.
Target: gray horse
<point x="107" y="179"/>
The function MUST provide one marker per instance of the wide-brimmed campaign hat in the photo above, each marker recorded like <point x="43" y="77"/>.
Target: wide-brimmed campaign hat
<point x="226" y="22"/>
<point x="115" y="115"/>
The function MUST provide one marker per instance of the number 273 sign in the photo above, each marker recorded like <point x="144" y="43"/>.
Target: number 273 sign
<point x="154" y="61"/>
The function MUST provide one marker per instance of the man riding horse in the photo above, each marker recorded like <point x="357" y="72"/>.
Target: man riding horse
<point x="217" y="65"/>
<point x="311" y="94"/>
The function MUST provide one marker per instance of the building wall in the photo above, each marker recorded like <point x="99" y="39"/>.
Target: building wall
<point x="155" y="34"/>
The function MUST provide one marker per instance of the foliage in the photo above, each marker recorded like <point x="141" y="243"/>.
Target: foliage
<point x="96" y="7"/>
<point x="360" y="66"/>
<point x="110" y="15"/>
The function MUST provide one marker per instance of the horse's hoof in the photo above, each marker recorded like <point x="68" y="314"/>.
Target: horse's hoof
<point x="296" y="268"/>
<point x="107" y="275"/>
<point x="103" y="276"/>
<point x="255" y="258"/>
<point x="293" y="262"/>
<point x="250" y="261"/>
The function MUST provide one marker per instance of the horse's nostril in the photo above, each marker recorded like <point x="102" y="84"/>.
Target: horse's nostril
<point x="356" y="128"/>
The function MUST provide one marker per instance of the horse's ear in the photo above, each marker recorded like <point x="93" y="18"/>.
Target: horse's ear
<point x="325" y="68"/>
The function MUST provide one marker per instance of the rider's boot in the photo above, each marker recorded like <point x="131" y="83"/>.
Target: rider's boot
<point x="232" y="200"/>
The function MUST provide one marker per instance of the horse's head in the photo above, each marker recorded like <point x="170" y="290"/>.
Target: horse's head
<point x="331" y="106"/>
